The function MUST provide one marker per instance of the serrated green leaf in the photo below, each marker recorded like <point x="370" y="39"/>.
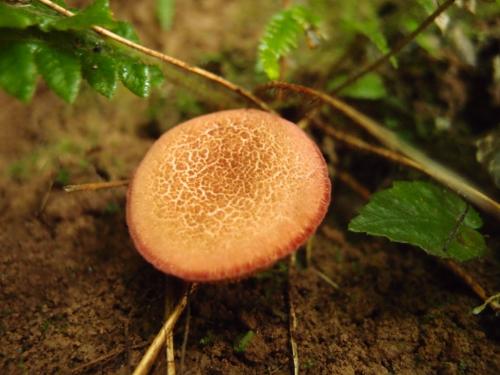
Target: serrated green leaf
<point x="18" y="70"/>
<point x="157" y="77"/>
<point x="101" y="72"/>
<point x="369" y="86"/>
<point x="424" y="215"/>
<point x="165" y="10"/>
<point x="282" y="34"/>
<point x="97" y="13"/>
<point x="136" y="77"/>
<point x="61" y="70"/>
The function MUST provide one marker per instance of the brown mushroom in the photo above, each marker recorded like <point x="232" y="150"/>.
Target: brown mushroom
<point x="223" y="195"/>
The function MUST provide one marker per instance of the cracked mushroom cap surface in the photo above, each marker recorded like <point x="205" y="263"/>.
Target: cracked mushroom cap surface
<point x="226" y="194"/>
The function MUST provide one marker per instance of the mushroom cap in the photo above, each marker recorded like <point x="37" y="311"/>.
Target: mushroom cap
<point x="225" y="194"/>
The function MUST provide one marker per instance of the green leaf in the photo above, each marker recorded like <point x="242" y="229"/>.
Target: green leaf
<point x="243" y="341"/>
<point x="136" y="77"/>
<point x="18" y="70"/>
<point x="369" y="86"/>
<point x="15" y="17"/>
<point x="157" y="77"/>
<point x="61" y="70"/>
<point x="282" y="34"/>
<point x="425" y="215"/>
<point x="165" y="10"/>
<point x="367" y="24"/>
<point x="101" y="72"/>
<point x="97" y="13"/>
<point x="427" y="5"/>
<point x="125" y="30"/>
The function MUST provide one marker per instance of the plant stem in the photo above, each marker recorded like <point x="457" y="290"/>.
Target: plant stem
<point x="150" y="356"/>
<point x="91" y="186"/>
<point x="358" y="144"/>
<point x="168" y="59"/>
<point x="427" y="165"/>
<point x="398" y="47"/>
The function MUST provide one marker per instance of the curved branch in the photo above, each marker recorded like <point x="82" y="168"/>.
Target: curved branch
<point x="392" y="141"/>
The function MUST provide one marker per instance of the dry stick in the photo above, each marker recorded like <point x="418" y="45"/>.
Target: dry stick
<point x="91" y="186"/>
<point x="150" y="356"/>
<point x="398" y="47"/>
<point x="471" y="283"/>
<point x="169" y="343"/>
<point x="292" y="327"/>
<point x="392" y="141"/>
<point x="354" y="184"/>
<point x="185" y="338"/>
<point x="168" y="59"/>
<point x="325" y="278"/>
<point x="104" y="358"/>
<point x="361" y="145"/>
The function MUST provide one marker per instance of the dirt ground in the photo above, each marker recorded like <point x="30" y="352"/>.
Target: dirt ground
<point x="76" y="298"/>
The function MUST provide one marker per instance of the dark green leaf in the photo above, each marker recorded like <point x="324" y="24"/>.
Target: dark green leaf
<point x="370" y="86"/>
<point x="18" y="69"/>
<point x="97" y="13"/>
<point x="165" y="12"/>
<point x="15" y="17"/>
<point x="136" y="77"/>
<point x="425" y="215"/>
<point x="61" y="70"/>
<point x="101" y="72"/>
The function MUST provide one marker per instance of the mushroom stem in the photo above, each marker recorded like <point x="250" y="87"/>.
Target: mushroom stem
<point x="91" y="186"/>
<point x="152" y="353"/>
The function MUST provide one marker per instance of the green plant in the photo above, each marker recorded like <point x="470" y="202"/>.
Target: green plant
<point x="66" y="51"/>
<point x="37" y="40"/>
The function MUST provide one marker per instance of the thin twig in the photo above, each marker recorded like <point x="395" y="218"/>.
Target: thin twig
<point x="471" y="283"/>
<point x="91" y="186"/>
<point x="169" y="342"/>
<point x="398" y="47"/>
<point x="167" y="59"/>
<point x="152" y="353"/>
<point x="45" y="198"/>
<point x="292" y="327"/>
<point x="103" y="359"/>
<point x="427" y="165"/>
<point x="325" y="278"/>
<point x="354" y="184"/>
<point x="361" y="145"/>
<point x="185" y="338"/>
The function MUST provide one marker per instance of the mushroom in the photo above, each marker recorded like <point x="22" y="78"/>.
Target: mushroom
<point x="226" y="194"/>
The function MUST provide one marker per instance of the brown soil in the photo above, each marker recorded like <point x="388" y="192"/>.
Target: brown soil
<point x="75" y="297"/>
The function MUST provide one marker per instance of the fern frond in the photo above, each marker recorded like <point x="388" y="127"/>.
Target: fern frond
<point x="35" y="40"/>
<point x="282" y="35"/>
